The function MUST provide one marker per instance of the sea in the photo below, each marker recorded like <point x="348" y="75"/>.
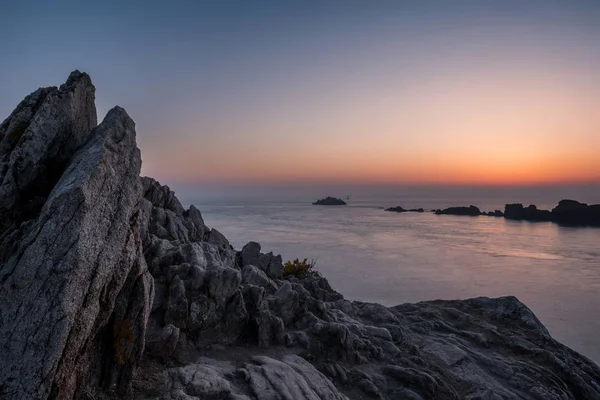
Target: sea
<point x="372" y="255"/>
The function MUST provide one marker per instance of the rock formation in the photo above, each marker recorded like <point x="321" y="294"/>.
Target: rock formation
<point x="567" y="212"/>
<point x="399" y="209"/>
<point x="110" y="287"/>
<point x="330" y="201"/>
<point x="75" y="292"/>
<point x="571" y="212"/>
<point x="495" y="213"/>
<point x="470" y="211"/>
<point x="530" y="213"/>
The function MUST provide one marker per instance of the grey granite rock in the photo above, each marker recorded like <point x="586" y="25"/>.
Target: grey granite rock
<point x="38" y="139"/>
<point x="261" y="378"/>
<point x="61" y="307"/>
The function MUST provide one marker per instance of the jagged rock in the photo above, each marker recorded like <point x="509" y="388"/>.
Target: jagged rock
<point x="75" y="292"/>
<point x="290" y="302"/>
<point x="320" y="289"/>
<point x="270" y="329"/>
<point x="249" y="255"/>
<point x="37" y="141"/>
<point x="162" y="196"/>
<point x="216" y="238"/>
<point x="271" y="264"/>
<point x="254" y="276"/>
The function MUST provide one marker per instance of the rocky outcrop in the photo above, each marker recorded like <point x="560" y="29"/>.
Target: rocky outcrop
<point x="567" y="212"/>
<point x="330" y="201"/>
<point x="530" y="213"/>
<point x="38" y="139"/>
<point x="495" y="213"/>
<point x="111" y="288"/>
<point x="574" y="213"/>
<point x="399" y="209"/>
<point x="469" y="211"/>
<point x="472" y="349"/>
<point x="75" y="292"/>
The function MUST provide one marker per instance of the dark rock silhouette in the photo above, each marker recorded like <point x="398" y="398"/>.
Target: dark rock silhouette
<point x="530" y="213"/>
<point x="110" y="288"/>
<point x="495" y="213"/>
<point x="469" y="211"/>
<point x="571" y="212"/>
<point x="399" y="209"/>
<point x="567" y="212"/>
<point x="330" y="201"/>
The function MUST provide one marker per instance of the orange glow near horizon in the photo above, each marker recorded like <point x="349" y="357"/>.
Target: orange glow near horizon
<point x="513" y="132"/>
<point x="516" y="119"/>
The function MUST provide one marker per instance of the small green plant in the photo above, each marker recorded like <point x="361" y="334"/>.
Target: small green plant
<point x="300" y="269"/>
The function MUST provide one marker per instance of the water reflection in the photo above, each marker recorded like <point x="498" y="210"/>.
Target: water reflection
<point x="372" y="255"/>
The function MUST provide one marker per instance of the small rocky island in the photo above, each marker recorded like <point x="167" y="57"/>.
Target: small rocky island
<point x="330" y="201"/>
<point x="470" y="211"/>
<point x="399" y="209"/>
<point x="567" y="213"/>
<point x="110" y="289"/>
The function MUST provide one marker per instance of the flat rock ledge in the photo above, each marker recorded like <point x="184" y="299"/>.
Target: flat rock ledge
<point x="111" y="288"/>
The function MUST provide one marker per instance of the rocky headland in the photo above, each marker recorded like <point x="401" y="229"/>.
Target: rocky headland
<point x="110" y="288"/>
<point x="330" y="201"/>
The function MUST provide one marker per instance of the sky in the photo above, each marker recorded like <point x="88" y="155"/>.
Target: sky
<point x="329" y="92"/>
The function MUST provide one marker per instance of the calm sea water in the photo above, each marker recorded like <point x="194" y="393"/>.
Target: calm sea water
<point x="372" y="255"/>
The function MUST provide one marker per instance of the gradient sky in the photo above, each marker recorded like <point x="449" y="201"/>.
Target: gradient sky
<point x="378" y="92"/>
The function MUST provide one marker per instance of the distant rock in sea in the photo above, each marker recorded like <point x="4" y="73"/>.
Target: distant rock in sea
<point x="330" y="201"/>
<point x="496" y="213"/>
<point x="530" y="213"/>
<point x="470" y="211"/>
<point x="399" y="209"/>
<point x="571" y="212"/>
<point x="567" y="212"/>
